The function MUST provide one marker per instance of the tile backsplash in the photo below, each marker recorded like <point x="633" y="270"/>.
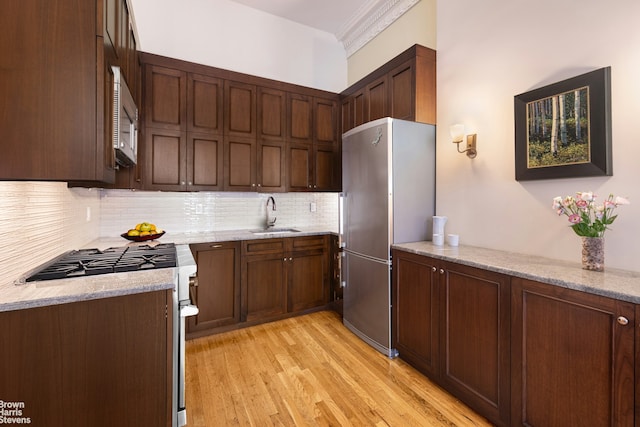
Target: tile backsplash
<point x="208" y="211"/>
<point x="40" y="220"/>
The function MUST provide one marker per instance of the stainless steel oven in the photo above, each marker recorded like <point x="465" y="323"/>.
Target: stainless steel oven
<point x="182" y="309"/>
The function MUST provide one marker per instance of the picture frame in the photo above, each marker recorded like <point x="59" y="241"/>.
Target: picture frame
<point x="563" y="130"/>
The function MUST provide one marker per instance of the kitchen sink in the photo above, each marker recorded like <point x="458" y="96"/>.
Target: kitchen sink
<point x="275" y="231"/>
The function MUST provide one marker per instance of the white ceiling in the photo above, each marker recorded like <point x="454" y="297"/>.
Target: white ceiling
<point x="326" y="15"/>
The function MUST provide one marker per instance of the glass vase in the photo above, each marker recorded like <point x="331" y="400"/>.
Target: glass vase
<point x="593" y="253"/>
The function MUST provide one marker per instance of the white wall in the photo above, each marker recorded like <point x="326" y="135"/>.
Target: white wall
<point x="228" y="35"/>
<point x="416" y="26"/>
<point x="490" y="51"/>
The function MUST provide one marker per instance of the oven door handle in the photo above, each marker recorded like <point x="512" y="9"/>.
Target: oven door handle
<point x="188" y="311"/>
<point x="185" y="311"/>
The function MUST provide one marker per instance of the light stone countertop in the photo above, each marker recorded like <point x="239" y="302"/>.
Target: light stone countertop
<point x="51" y="292"/>
<point x="614" y="283"/>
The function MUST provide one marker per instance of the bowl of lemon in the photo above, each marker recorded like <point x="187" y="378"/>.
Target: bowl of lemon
<point x="142" y="232"/>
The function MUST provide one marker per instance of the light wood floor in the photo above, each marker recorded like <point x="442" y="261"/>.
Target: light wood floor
<point x="309" y="371"/>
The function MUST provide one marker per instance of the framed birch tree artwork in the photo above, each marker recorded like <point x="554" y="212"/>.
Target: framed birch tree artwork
<point x="563" y="130"/>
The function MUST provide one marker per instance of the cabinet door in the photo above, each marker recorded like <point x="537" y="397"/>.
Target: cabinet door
<point x="299" y="163"/>
<point x="263" y="279"/>
<point x="204" y="161"/>
<point x="402" y="94"/>
<point x="271" y="166"/>
<point x="571" y="359"/>
<point x="347" y="114"/>
<point x="239" y="109"/>
<point x="165" y="98"/>
<point x="307" y="270"/>
<point x="474" y="342"/>
<point x="239" y="164"/>
<point x="360" y="112"/>
<point x="272" y="114"/>
<point x="300" y="115"/>
<point x="164" y="160"/>
<point x="325" y="121"/>
<point x="325" y="171"/>
<point x="79" y="364"/>
<point x="415" y="311"/>
<point x="376" y="98"/>
<point x="217" y="294"/>
<point x="204" y="108"/>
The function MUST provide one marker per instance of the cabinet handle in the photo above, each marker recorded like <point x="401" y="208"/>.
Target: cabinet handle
<point x="284" y="259"/>
<point x="290" y="259"/>
<point x="215" y="246"/>
<point x="259" y="185"/>
<point x="190" y="183"/>
<point x="442" y="271"/>
<point x="623" y="320"/>
<point x="434" y="269"/>
<point x="181" y="182"/>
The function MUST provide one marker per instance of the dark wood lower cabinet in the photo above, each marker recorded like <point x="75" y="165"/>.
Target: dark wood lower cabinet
<point x="520" y="352"/>
<point x="104" y="362"/>
<point x="474" y="338"/>
<point x="281" y="276"/>
<point x="572" y="357"/>
<point x="217" y="293"/>
<point x="452" y="323"/>
<point x="248" y="282"/>
<point x="415" y="311"/>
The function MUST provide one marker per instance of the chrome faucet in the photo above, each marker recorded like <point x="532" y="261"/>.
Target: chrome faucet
<point x="270" y="222"/>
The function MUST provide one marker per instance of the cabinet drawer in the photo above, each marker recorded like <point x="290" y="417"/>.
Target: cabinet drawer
<point x="307" y="242"/>
<point x="262" y="246"/>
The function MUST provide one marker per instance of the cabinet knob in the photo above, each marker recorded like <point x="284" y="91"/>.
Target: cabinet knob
<point x="290" y="259"/>
<point x="623" y="320"/>
<point x="442" y="271"/>
<point x="190" y="183"/>
<point x="182" y="182"/>
<point x="259" y="185"/>
<point x="434" y="269"/>
<point x="284" y="259"/>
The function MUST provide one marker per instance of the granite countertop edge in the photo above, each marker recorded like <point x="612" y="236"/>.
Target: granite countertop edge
<point x="613" y="283"/>
<point x="53" y="292"/>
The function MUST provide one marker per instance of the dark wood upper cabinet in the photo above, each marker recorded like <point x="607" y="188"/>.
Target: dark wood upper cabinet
<point x="205" y="97"/>
<point x="240" y="164"/>
<point x="165" y="98"/>
<point x="272" y="114"/>
<point x="403" y="88"/>
<point x="240" y="109"/>
<point x="53" y="91"/>
<point x="240" y="133"/>
<point x="376" y="96"/>
<point x="205" y="161"/>
<point x="300" y="114"/>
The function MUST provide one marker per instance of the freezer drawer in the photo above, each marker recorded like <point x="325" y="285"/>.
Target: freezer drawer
<point x="367" y="300"/>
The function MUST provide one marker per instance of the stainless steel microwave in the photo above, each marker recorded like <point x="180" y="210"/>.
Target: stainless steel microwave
<point x="125" y="122"/>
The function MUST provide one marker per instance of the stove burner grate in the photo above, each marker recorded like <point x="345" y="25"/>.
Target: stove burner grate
<point x="91" y="262"/>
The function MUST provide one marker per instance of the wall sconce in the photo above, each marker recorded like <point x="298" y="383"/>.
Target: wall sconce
<point x="457" y="135"/>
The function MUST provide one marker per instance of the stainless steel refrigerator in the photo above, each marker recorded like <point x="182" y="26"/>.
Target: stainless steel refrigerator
<point x="388" y="168"/>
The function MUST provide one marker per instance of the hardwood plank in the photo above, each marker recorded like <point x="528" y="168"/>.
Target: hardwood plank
<point x="309" y="371"/>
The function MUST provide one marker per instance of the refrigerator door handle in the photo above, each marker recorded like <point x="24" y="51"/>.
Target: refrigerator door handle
<point x="342" y="215"/>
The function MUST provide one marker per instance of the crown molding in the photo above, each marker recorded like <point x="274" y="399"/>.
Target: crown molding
<point x="370" y="21"/>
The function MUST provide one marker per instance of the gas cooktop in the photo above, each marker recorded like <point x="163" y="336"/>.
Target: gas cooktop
<point x="90" y="262"/>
